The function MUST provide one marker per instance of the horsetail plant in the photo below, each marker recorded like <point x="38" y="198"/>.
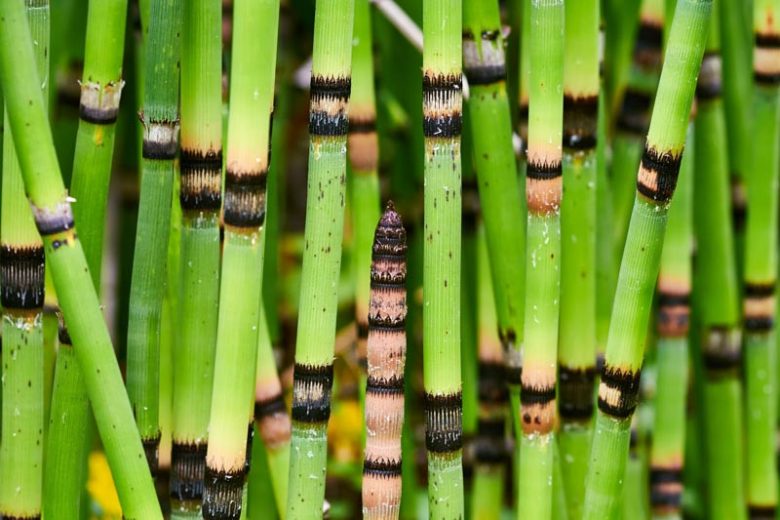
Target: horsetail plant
<point x="313" y="377"/>
<point x="22" y="298"/>
<point x="737" y="84"/>
<point x="249" y="146"/>
<point x="200" y="199"/>
<point x="101" y="89"/>
<point x="74" y="286"/>
<point x="66" y="444"/>
<point x="386" y="358"/>
<point x="760" y="344"/>
<point x="542" y="259"/>
<point x="577" y="331"/>
<point x="363" y="152"/>
<point x="160" y="119"/>
<point x="672" y="325"/>
<point x="716" y="294"/>
<point x="634" y="116"/>
<point x="489" y="114"/>
<point x="442" y="110"/>
<point x="271" y="417"/>
<point x="489" y="444"/>
<point x="656" y="180"/>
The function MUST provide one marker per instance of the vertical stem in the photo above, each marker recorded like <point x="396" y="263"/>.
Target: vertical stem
<point x="656" y="182"/>
<point x="442" y="109"/>
<point x="22" y="298"/>
<point x="200" y="200"/>
<point x="313" y="378"/>
<point x="761" y="266"/>
<point x="577" y="342"/>
<point x="672" y="324"/>
<point x="363" y="151"/>
<point x="496" y="167"/>
<point x="249" y="146"/>
<point x="716" y="294"/>
<point x="101" y="90"/>
<point x="543" y="257"/>
<point x="160" y="146"/>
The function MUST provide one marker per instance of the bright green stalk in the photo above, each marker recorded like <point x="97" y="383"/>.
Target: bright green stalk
<point x="606" y="277"/>
<point x="22" y="298"/>
<point x="363" y="150"/>
<point x="147" y="290"/>
<point x="442" y="108"/>
<point x="101" y="89"/>
<point x="737" y="57"/>
<point x="261" y="502"/>
<point x="542" y="260"/>
<point x="74" y="286"/>
<point x="674" y="288"/>
<point x="328" y="124"/>
<point x="273" y="421"/>
<point x="577" y="341"/>
<point x="717" y="290"/>
<point x="489" y="445"/>
<point x="761" y="266"/>
<point x="200" y="199"/>
<point x="634" y="116"/>
<point x="249" y="146"/>
<point x="496" y="167"/>
<point x="619" y="388"/>
<point x="66" y="444"/>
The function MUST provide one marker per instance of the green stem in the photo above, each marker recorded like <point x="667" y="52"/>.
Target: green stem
<point x="716" y="292"/>
<point x="22" y="298"/>
<point x="656" y="180"/>
<point x="442" y="108"/>
<point x="542" y="261"/>
<point x="761" y="266"/>
<point x="496" y="167"/>
<point x="249" y="146"/>
<point x="313" y="378"/>
<point x="147" y="289"/>
<point x="200" y="200"/>
<point x="672" y="324"/>
<point x="577" y="342"/>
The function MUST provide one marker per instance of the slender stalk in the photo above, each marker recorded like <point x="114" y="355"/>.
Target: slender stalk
<point x="606" y="277"/>
<point x="22" y="298"/>
<point x="313" y="378"/>
<point x="490" y="121"/>
<point x="363" y="151"/>
<point x="656" y="180"/>
<point x="577" y="341"/>
<point x="249" y="146"/>
<point x="716" y="292"/>
<point x="634" y="116"/>
<point x="386" y="359"/>
<point x="270" y="412"/>
<point x="620" y="17"/>
<point x="761" y="266"/>
<point x="200" y="200"/>
<point x="735" y="32"/>
<point x="101" y="89"/>
<point x="543" y="196"/>
<point x="66" y="445"/>
<point x="672" y="323"/>
<point x="74" y="286"/>
<point x="442" y="108"/>
<point x="160" y="144"/>
<point x="489" y="446"/>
